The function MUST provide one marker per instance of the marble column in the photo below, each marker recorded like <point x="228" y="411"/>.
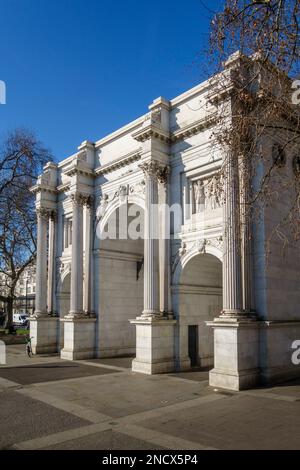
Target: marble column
<point x="246" y="252"/>
<point x="88" y="213"/>
<point x="51" y="263"/>
<point x="41" y="262"/>
<point x="232" y="279"/>
<point x="76" y="300"/>
<point x="151" y="241"/>
<point x="236" y="333"/>
<point x="43" y="327"/>
<point x="154" y="331"/>
<point x="79" y="326"/>
<point x="164" y="245"/>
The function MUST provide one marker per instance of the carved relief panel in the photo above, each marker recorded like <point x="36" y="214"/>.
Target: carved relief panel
<point x="206" y="194"/>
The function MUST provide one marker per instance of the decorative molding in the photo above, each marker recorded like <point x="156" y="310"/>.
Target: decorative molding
<point x="194" y="128"/>
<point x="198" y="246"/>
<point x="198" y="290"/>
<point x="101" y="209"/>
<point x="138" y="188"/>
<point x="151" y="131"/>
<point x="38" y="188"/>
<point x="118" y="163"/>
<point x="62" y="188"/>
<point x="78" y="167"/>
<point x="180" y="253"/>
<point x="123" y="193"/>
<point x="118" y="255"/>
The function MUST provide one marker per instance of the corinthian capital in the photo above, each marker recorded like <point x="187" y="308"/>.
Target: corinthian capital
<point x="154" y="169"/>
<point x="80" y="199"/>
<point x="44" y="213"/>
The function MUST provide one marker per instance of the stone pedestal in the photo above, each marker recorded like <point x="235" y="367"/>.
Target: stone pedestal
<point x="79" y="338"/>
<point x="44" y="334"/>
<point x="154" y="345"/>
<point x="236" y="344"/>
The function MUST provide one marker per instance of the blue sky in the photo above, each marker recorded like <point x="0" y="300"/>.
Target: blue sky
<point x="79" y="69"/>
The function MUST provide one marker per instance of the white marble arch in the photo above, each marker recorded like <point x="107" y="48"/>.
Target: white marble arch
<point x="159" y="159"/>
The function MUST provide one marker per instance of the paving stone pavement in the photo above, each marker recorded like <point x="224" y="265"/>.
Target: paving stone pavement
<point x="99" y="404"/>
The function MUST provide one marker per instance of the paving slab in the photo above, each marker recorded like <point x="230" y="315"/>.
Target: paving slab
<point x="35" y="373"/>
<point x="235" y="422"/>
<point x="23" y="418"/>
<point x="105" y="440"/>
<point x="59" y="404"/>
<point x="123" y="362"/>
<point x="123" y="394"/>
<point x="198" y="375"/>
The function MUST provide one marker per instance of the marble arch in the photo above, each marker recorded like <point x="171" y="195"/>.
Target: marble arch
<point x="167" y="156"/>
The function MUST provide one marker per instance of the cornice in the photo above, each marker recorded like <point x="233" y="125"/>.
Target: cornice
<point x="191" y="129"/>
<point x="63" y="187"/>
<point x="118" y="163"/>
<point x="151" y="131"/>
<point x="76" y="168"/>
<point x="38" y="188"/>
<point x="194" y="128"/>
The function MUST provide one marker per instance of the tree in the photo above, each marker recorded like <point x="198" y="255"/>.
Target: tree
<point x="22" y="157"/>
<point x="261" y="100"/>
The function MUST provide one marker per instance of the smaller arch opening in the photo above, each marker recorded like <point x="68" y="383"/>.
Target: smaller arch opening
<point x="199" y="299"/>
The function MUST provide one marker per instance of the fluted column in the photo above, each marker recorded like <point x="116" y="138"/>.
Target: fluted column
<point x="51" y="263"/>
<point x="151" y="171"/>
<point x="246" y="261"/>
<point x="232" y="281"/>
<point x="41" y="263"/>
<point x="87" y="256"/>
<point x="164" y="248"/>
<point x="76" y="303"/>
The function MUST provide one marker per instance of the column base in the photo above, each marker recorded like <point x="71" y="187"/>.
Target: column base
<point x="236" y="348"/>
<point x="79" y="337"/>
<point x="154" y="345"/>
<point x="44" y="334"/>
<point x="242" y="380"/>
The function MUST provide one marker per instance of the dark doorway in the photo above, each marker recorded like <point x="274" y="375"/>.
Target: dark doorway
<point x="193" y="344"/>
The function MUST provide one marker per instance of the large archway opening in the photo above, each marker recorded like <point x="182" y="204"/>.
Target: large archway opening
<point x="119" y="280"/>
<point x="199" y="299"/>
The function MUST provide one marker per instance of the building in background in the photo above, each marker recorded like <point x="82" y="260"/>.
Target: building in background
<point x="24" y="302"/>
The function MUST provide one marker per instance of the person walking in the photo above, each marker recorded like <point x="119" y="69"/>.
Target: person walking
<point x="28" y="346"/>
